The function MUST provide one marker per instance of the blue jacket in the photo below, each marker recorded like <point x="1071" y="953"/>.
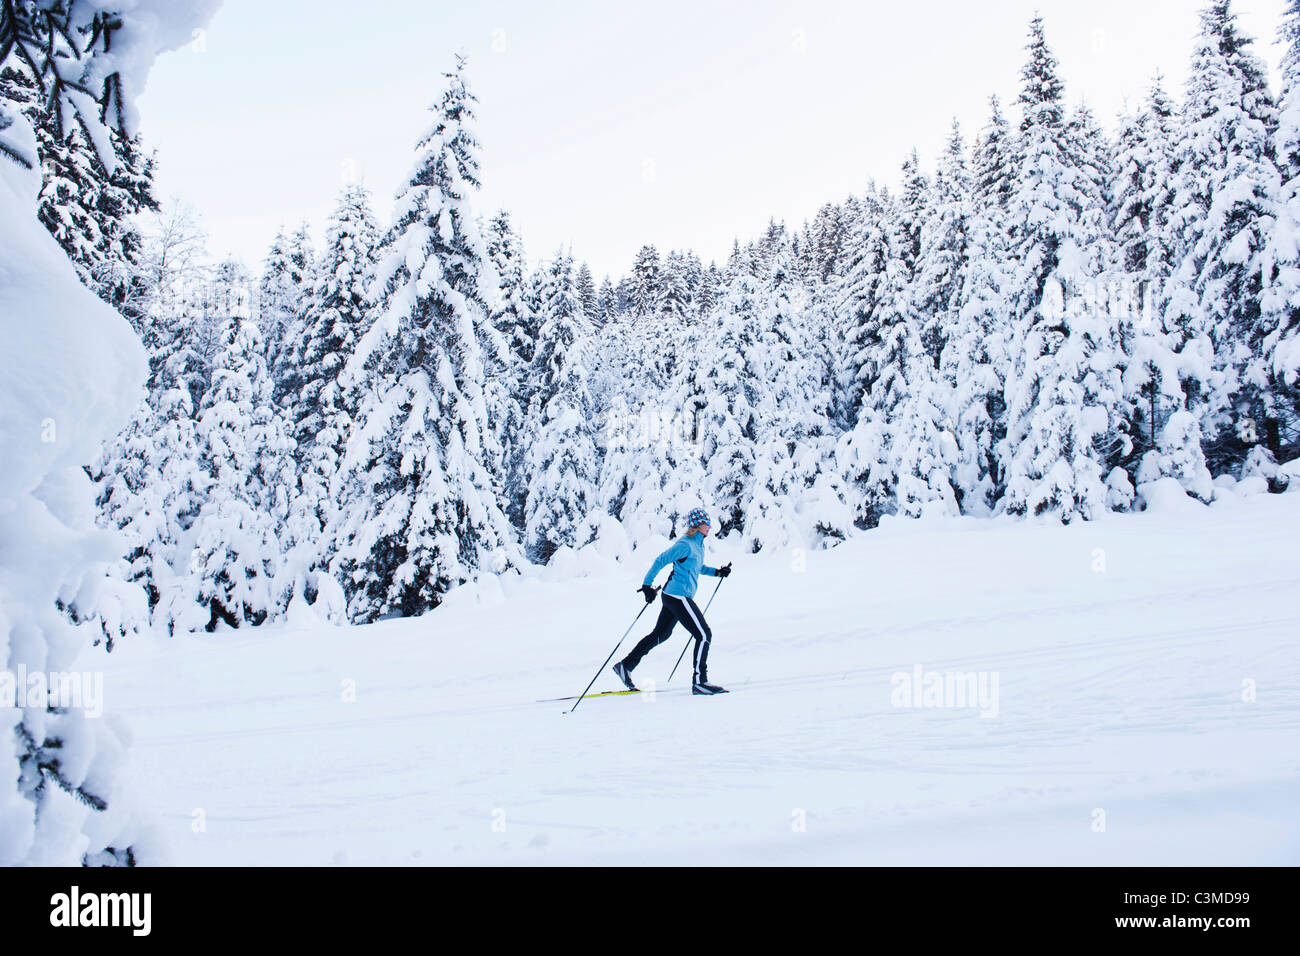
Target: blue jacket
<point x="687" y="558"/>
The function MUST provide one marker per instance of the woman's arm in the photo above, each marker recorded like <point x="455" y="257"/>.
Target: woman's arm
<point x="678" y="550"/>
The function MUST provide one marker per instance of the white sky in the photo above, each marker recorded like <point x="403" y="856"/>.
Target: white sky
<point x="609" y="125"/>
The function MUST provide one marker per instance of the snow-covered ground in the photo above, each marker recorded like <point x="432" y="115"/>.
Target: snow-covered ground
<point x="1125" y="652"/>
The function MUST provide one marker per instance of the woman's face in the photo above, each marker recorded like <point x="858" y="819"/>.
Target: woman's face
<point x="702" y="530"/>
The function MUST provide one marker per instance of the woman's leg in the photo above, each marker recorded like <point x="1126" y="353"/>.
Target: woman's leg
<point x="662" y="631"/>
<point x="702" y="641"/>
<point x="691" y="618"/>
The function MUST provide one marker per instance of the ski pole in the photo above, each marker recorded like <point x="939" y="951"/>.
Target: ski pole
<point x="611" y="656"/>
<point x="682" y="656"/>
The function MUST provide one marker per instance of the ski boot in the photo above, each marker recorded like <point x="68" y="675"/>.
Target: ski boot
<point x="624" y="675"/>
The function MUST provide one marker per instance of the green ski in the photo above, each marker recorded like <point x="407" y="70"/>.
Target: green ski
<point x="608" y="693"/>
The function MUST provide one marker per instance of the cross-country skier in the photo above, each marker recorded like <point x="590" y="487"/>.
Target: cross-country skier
<point x="687" y="558"/>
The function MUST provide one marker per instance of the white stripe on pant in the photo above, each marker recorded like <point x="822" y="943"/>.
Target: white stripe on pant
<point x="701" y="643"/>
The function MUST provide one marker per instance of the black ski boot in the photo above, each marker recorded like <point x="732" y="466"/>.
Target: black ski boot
<point x="624" y="675"/>
<point x="704" y="687"/>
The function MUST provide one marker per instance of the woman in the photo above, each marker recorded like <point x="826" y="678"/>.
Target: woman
<point x="687" y="558"/>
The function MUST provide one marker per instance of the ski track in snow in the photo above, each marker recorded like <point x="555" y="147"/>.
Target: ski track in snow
<point x="1119" y="692"/>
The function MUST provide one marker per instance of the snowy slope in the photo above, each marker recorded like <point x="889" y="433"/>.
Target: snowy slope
<point x="1119" y="691"/>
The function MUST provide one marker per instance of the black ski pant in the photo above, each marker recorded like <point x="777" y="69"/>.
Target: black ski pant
<point x="677" y="610"/>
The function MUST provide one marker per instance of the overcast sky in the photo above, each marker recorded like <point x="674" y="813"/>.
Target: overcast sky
<point x="609" y="125"/>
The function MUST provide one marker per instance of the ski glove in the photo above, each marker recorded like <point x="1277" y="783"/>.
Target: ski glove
<point x="725" y="570"/>
<point x="649" y="592"/>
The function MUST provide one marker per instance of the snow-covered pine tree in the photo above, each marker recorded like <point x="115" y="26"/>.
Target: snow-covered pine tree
<point x="89" y="211"/>
<point x="976" y="357"/>
<point x="186" y="333"/>
<point x="824" y="514"/>
<point x="695" y="279"/>
<point x="278" y="297"/>
<point x="890" y="354"/>
<point x="664" y="341"/>
<point x="420" y="514"/>
<point x="683" y="270"/>
<point x="563" y="464"/>
<point x="1141" y="187"/>
<point x="72" y="179"/>
<point x="794" y="467"/>
<point x="302" y="278"/>
<point x="18" y="96"/>
<point x="126" y="193"/>
<point x="149" y="482"/>
<point x="226" y="290"/>
<point x="1141" y="204"/>
<point x="658" y="312"/>
<point x="994" y="165"/>
<point x="149" y="485"/>
<point x="245" y="456"/>
<point x="561" y="461"/>
<point x="710" y="288"/>
<point x="651" y="473"/>
<point x="1063" y="391"/>
<point x="153" y="477"/>
<point x="828" y="239"/>
<point x="150" y="488"/>
<point x="332" y="325"/>
<point x="321" y="413"/>
<point x="803" y="250"/>
<point x="943" y="256"/>
<point x="646" y="290"/>
<point x="1226" y="191"/>
<point x="677" y="298"/>
<point x="87" y="208"/>
<point x="867" y="256"/>
<point x="1092" y="153"/>
<point x="63" y="802"/>
<point x="1105" y="303"/>
<point x="722" y="398"/>
<point x="288" y="278"/>
<point x="1280" y="356"/>
<point x="586" y="289"/>
<point x="560" y="323"/>
<point x="623" y="296"/>
<point x="513" y="321"/>
<point x="924" y="452"/>
<point x="775" y="237"/>
<point x="302" y="258"/>
<point x="606" y="302"/>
